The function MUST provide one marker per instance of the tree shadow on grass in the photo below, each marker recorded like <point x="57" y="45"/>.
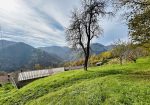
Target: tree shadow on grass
<point x="139" y="75"/>
<point x="136" y="76"/>
<point x="108" y="72"/>
<point x="144" y="75"/>
<point x="96" y="74"/>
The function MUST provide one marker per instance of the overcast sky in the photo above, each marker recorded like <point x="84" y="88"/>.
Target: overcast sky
<point x="43" y="22"/>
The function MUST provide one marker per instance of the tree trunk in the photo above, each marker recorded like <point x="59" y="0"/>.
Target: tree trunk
<point x="87" y="56"/>
<point x="120" y="60"/>
<point x="86" y="63"/>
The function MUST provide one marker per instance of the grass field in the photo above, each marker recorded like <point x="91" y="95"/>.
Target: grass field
<point x="106" y="85"/>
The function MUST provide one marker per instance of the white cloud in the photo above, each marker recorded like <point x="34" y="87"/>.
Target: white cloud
<point x="24" y="18"/>
<point x="42" y="22"/>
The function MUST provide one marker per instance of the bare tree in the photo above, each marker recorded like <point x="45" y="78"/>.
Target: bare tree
<point x="119" y="50"/>
<point x="133" y="52"/>
<point x="84" y="26"/>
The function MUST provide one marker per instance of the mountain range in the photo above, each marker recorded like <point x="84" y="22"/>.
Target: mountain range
<point x="18" y="55"/>
<point x="68" y="54"/>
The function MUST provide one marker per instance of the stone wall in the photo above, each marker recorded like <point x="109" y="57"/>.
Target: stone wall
<point x="4" y="79"/>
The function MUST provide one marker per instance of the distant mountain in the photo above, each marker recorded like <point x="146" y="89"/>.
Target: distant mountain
<point x="17" y="55"/>
<point x="62" y="52"/>
<point x="67" y="53"/>
<point x="5" y="43"/>
<point x="110" y="47"/>
<point x="97" y="48"/>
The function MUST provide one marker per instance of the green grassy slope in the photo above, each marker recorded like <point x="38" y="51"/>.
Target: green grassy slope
<point x="107" y="85"/>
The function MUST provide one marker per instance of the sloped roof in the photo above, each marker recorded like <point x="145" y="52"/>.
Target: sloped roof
<point x="34" y="74"/>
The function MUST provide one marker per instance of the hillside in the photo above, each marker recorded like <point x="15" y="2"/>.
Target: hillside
<point x="62" y="52"/>
<point x="98" y="48"/>
<point x="5" y="43"/>
<point x="106" y="85"/>
<point x="18" y="55"/>
<point x="68" y="54"/>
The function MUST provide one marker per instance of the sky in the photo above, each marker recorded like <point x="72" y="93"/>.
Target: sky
<point x="43" y="22"/>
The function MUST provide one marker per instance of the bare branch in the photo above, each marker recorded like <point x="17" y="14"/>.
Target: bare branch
<point x="84" y="25"/>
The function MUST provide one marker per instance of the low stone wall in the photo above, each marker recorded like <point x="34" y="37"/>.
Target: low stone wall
<point x="4" y="79"/>
<point x="73" y="68"/>
<point x="58" y="70"/>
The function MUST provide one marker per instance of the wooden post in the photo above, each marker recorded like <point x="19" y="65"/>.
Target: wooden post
<point x="8" y="78"/>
